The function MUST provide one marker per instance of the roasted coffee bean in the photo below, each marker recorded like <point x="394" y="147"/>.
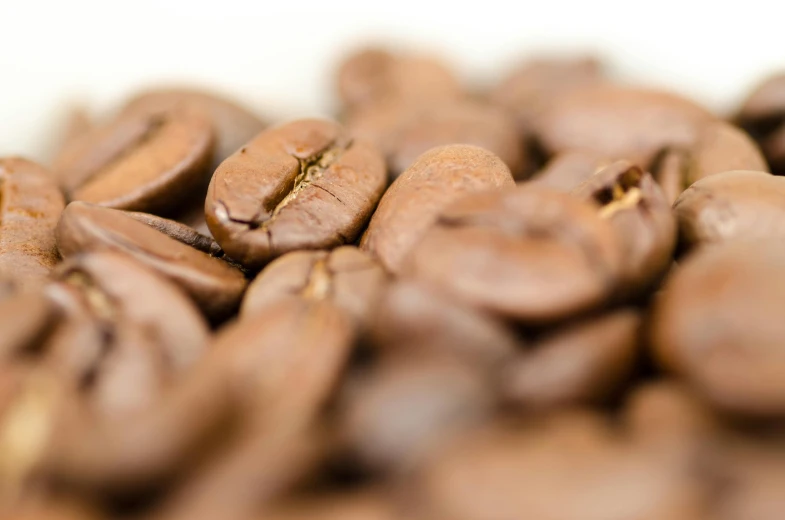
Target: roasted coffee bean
<point x="538" y="84"/>
<point x="345" y="276"/>
<point x="215" y="285"/>
<point x="499" y="473"/>
<point x="179" y="231"/>
<point x="374" y="75"/>
<point x="404" y="132"/>
<point x="356" y="505"/>
<point x="620" y="123"/>
<point x="30" y="205"/>
<point x="720" y="147"/>
<point x="637" y="209"/>
<point x="413" y="202"/>
<point x="528" y="253"/>
<point x="303" y="185"/>
<point x="716" y="325"/>
<point x="568" y="170"/>
<point x="412" y="320"/>
<point x="233" y="125"/>
<point x="583" y="363"/>
<point x="395" y="414"/>
<point x="731" y="205"/>
<point x="141" y="161"/>
<point x="762" y="115"/>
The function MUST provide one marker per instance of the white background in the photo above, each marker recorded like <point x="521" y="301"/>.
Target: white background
<point x="279" y="56"/>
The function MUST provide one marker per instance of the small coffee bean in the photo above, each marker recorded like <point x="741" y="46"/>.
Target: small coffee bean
<point x="303" y="185"/>
<point x="141" y="161"/>
<point x="528" y="253"/>
<point x="30" y="204"/>
<point x="567" y="170"/>
<point x="374" y="75"/>
<point x="345" y="276"/>
<point x="620" y="123"/>
<point x="214" y="285"/>
<point x="412" y="203"/>
<point x="639" y="212"/>
<point x="731" y="205"/>
<point x="583" y="363"/>
<point x="715" y="324"/>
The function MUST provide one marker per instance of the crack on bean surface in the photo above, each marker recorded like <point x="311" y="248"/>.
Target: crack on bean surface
<point x="624" y="193"/>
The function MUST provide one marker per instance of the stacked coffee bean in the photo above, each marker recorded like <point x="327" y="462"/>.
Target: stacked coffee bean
<point x="554" y="300"/>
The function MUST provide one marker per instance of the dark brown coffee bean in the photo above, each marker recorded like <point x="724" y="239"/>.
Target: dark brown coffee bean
<point x="303" y="185"/>
<point x="538" y="84"/>
<point x="394" y="415"/>
<point x="30" y="204"/>
<point x="214" y="285"/>
<point x="528" y="253"/>
<point x="620" y="123"/>
<point x="585" y="363"/>
<point x="637" y="209"/>
<point x="501" y="473"/>
<point x="233" y="125"/>
<point x="412" y="320"/>
<point x="179" y="231"/>
<point x="141" y="161"/>
<point x="407" y="131"/>
<point x="568" y="170"/>
<point x="356" y="505"/>
<point x="763" y="115"/>
<point x="346" y="276"/>
<point x="731" y="205"/>
<point x="410" y="206"/>
<point x="716" y="324"/>
<point x="374" y="75"/>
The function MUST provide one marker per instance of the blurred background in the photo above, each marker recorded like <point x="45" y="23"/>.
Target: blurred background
<point x="280" y="57"/>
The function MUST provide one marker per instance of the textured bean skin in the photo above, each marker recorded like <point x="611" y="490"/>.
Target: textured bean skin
<point x="303" y="185"/>
<point x="30" y="204"/>
<point x="414" y="200"/>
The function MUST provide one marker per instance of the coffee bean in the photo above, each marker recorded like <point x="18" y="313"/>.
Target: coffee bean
<point x="373" y="75"/>
<point x="30" y="205"/>
<point x="583" y="363"/>
<point x="538" y="84"/>
<point x="762" y="116"/>
<point x="346" y="276"/>
<point x="411" y="205"/>
<point x="215" y="285"/>
<point x="731" y="205"/>
<point x="639" y="212"/>
<point x="303" y="185"/>
<point x="141" y="161"/>
<point x="412" y="320"/>
<point x="620" y="123"/>
<point x="26" y="321"/>
<point x="715" y="325"/>
<point x="567" y="170"/>
<point x="527" y="253"/>
<point x="404" y="132"/>
<point x="179" y="231"/>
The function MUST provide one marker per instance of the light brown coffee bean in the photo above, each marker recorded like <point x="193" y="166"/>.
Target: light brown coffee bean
<point x="641" y="215"/>
<point x="303" y="185"/>
<point x="30" y="204"/>
<point x="528" y="253"/>
<point x="27" y="321"/>
<point x="413" y="202"/>
<point x="586" y="362"/>
<point x="731" y="205"/>
<point x="345" y="276"/>
<point x="141" y="161"/>
<point x="214" y="285"/>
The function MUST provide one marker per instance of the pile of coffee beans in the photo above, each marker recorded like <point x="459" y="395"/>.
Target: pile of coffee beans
<point x="557" y="299"/>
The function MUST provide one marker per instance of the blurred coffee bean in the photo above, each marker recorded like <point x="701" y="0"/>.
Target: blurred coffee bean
<point x="731" y="205"/>
<point x="527" y="253"/>
<point x="583" y="363"/>
<point x="26" y="320"/>
<point x="303" y="185"/>
<point x="637" y="209"/>
<point x="413" y="202"/>
<point x="715" y="325"/>
<point x="567" y="170"/>
<point x="373" y="75"/>
<point x="142" y="160"/>
<point x="30" y="206"/>
<point x="345" y="276"/>
<point x="762" y="116"/>
<point x="356" y="505"/>
<point x="215" y="285"/>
